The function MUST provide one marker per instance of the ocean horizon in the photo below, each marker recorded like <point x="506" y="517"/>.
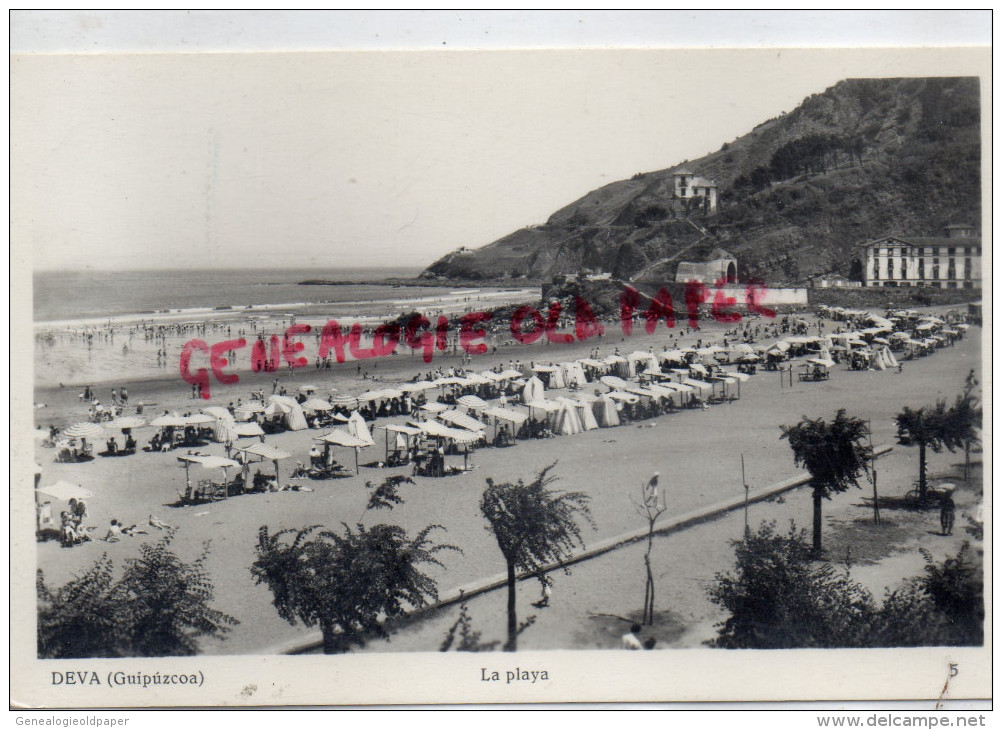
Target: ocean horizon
<point x="65" y="294"/>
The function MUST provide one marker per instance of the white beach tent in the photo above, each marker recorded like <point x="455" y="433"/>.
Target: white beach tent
<point x="533" y="390"/>
<point x="291" y="411"/>
<point x="605" y="412"/>
<point x="357" y="427"/>
<point x="557" y="379"/>
<point x="642" y="361"/>
<point x="573" y="373"/>
<point x="587" y="418"/>
<point x="566" y="421"/>
<point x="223" y="425"/>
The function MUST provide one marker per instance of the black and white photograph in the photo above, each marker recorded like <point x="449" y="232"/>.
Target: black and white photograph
<point x="364" y="363"/>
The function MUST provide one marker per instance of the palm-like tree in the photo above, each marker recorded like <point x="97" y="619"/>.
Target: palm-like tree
<point x="929" y="427"/>
<point x="347" y="583"/>
<point x="533" y="526"/>
<point x="965" y="420"/>
<point x="833" y="453"/>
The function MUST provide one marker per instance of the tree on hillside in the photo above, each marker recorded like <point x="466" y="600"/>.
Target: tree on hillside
<point x="533" y="526"/>
<point x="833" y="453"/>
<point x="159" y="607"/>
<point x="350" y="582"/>
<point x="928" y="427"/>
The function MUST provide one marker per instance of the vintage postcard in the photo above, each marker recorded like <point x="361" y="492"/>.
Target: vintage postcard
<point x="500" y="377"/>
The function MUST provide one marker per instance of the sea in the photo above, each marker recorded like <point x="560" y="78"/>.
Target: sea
<point x="87" y="322"/>
<point x="82" y="295"/>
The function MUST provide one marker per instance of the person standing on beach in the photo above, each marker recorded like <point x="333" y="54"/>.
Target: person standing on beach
<point x="947" y="513"/>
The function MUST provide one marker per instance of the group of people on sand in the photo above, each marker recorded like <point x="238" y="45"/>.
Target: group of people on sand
<point x="73" y="530"/>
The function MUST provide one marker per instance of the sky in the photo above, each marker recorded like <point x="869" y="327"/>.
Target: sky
<point x="361" y="159"/>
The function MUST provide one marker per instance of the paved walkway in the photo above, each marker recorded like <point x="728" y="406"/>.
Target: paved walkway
<point x="313" y="641"/>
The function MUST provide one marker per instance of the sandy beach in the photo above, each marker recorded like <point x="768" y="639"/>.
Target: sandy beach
<point x="698" y="453"/>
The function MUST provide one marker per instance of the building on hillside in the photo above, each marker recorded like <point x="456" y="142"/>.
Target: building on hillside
<point x="950" y="261"/>
<point x="719" y="265"/>
<point x="689" y="186"/>
<point x="831" y="281"/>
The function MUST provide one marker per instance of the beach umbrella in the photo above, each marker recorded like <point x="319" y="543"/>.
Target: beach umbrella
<point x="307" y="389"/>
<point x="65" y="491"/>
<point x="472" y="401"/>
<point x="207" y="462"/>
<point x="405" y="431"/>
<point x="435" y="407"/>
<point x="317" y="404"/>
<point x="218" y="412"/>
<point x="340" y="417"/>
<point x="167" y="420"/>
<point x="458" y="418"/>
<point x="267" y="451"/>
<point x="84" y="430"/>
<point x="247" y="429"/>
<point x="349" y="440"/>
<point x="417" y="387"/>
<point x="127" y="423"/>
<point x="345" y="401"/>
<point x="612" y="381"/>
<point x="198" y="419"/>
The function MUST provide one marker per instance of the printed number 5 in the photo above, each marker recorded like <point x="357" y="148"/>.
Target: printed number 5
<point x="954" y="671"/>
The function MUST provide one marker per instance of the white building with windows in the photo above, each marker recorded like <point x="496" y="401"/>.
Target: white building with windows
<point x="950" y="261"/>
<point x="689" y="185"/>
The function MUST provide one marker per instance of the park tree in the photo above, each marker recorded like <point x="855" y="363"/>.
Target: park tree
<point x="169" y="601"/>
<point x="462" y="635"/>
<point x="777" y="597"/>
<point x="159" y="607"/>
<point x="348" y="583"/>
<point x="928" y="427"/>
<point x="534" y="526"/>
<point x="84" y="618"/>
<point x="965" y="420"/>
<point x="833" y="453"/>
<point x="652" y="505"/>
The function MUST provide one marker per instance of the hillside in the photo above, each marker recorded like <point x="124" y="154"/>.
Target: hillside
<point x="864" y="158"/>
